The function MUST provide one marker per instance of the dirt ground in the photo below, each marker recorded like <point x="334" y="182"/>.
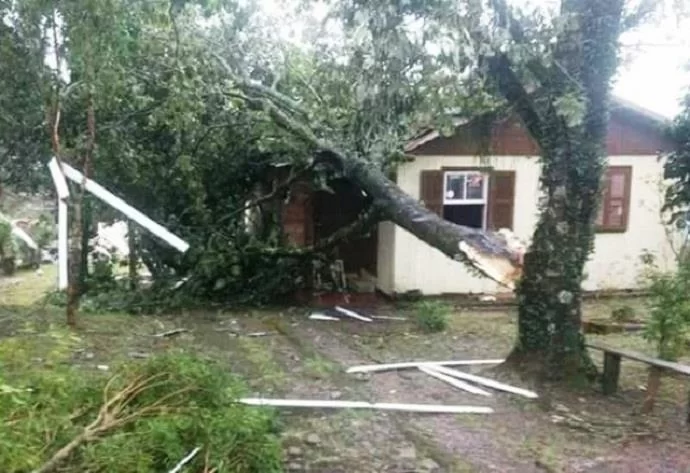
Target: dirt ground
<point x="561" y="431"/>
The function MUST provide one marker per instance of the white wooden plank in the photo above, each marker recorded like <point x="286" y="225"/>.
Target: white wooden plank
<point x="318" y="404"/>
<point x="352" y="314"/>
<point x="132" y="213"/>
<point x="416" y="364"/>
<point x="22" y="235"/>
<point x="323" y="317"/>
<point x="453" y="382"/>
<point x="185" y="460"/>
<point x="58" y="179"/>
<point x="486" y="382"/>
<point x="63" y="249"/>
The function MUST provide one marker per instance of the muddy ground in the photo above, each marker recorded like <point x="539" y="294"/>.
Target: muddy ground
<point x="565" y="430"/>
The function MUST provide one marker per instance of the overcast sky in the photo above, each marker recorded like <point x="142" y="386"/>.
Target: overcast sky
<point x="656" y="74"/>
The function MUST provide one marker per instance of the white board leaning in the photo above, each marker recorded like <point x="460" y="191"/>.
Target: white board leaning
<point x="59" y="172"/>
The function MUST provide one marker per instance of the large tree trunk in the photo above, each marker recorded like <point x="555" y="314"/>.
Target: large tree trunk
<point x="573" y="157"/>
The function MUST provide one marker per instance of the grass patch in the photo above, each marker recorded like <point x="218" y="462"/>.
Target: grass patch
<point x="267" y="373"/>
<point x="145" y="417"/>
<point x="318" y="367"/>
<point x="431" y="316"/>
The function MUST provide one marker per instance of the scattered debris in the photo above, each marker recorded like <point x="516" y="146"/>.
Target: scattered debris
<point x="103" y="367"/>
<point x="323" y="317"/>
<point x="453" y="382"/>
<point x="408" y="453"/>
<point x="179" y="283"/>
<point x="487" y="298"/>
<point x="486" y="382"/>
<point x="137" y="354"/>
<point x="319" y="404"/>
<point x="387" y="317"/>
<point x="417" y="364"/>
<point x="353" y="314"/>
<point x="170" y="333"/>
<point x="429" y="466"/>
<point x="185" y="460"/>
<point x="313" y="439"/>
<point x="294" y="451"/>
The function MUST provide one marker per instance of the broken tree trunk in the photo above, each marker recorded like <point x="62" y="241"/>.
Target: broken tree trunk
<point x="487" y="252"/>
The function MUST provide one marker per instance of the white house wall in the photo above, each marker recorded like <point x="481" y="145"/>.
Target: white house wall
<point x="406" y="263"/>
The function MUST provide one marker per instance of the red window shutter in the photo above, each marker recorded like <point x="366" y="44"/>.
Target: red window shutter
<point x="431" y="190"/>
<point x="501" y="200"/>
<point x="615" y="204"/>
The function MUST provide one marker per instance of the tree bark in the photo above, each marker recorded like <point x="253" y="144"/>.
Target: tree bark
<point x="484" y="251"/>
<point x="573" y="157"/>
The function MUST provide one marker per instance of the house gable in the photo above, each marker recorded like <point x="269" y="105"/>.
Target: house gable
<point x="631" y="133"/>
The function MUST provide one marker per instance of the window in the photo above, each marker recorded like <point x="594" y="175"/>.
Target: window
<point x="480" y="199"/>
<point x="465" y="198"/>
<point x="615" y="201"/>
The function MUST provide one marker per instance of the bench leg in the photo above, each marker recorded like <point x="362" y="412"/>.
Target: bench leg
<point x="653" y="383"/>
<point x="612" y="371"/>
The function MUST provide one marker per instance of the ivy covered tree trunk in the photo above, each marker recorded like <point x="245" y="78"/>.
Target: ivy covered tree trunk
<point x="573" y="158"/>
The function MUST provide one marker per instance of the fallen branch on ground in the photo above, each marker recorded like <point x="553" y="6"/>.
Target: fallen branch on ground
<point x="113" y="414"/>
<point x="170" y="333"/>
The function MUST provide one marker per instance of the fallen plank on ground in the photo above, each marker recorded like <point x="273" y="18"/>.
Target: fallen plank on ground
<point x="453" y="381"/>
<point x="388" y="317"/>
<point x="353" y="314"/>
<point x="417" y="364"/>
<point x="170" y="333"/>
<point x="323" y="317"/>
<point x="486" y="382"/>
<point x="319" y="404"/>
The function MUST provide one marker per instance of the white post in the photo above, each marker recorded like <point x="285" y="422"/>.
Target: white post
<point x="63" y="249"/>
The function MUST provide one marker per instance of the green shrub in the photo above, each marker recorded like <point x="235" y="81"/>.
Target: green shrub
<point x="432" y="316"/>
<point x="44" y="409"/>
<point x="669" y="322"/>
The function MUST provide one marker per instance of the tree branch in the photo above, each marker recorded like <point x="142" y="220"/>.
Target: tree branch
<point x="509" y="85"/>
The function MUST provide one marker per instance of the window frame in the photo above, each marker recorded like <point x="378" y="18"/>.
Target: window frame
<point x="465" y="201"/>
<point x="607" y="227"/>
<point x="484" y="201"/>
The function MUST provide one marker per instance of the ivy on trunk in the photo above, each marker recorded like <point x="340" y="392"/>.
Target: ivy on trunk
<point x="573" y="157"/>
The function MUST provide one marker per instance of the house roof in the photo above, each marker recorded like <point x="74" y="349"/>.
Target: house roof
<point x="618" y="105"/>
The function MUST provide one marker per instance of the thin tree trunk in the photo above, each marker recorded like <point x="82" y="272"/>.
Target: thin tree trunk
<point x="73" y="290"/>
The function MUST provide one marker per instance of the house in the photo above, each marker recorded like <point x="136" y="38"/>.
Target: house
<point x="457" y="178"/>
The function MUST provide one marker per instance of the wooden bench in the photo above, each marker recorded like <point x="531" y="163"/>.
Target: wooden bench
<point x="612" y="369"/>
